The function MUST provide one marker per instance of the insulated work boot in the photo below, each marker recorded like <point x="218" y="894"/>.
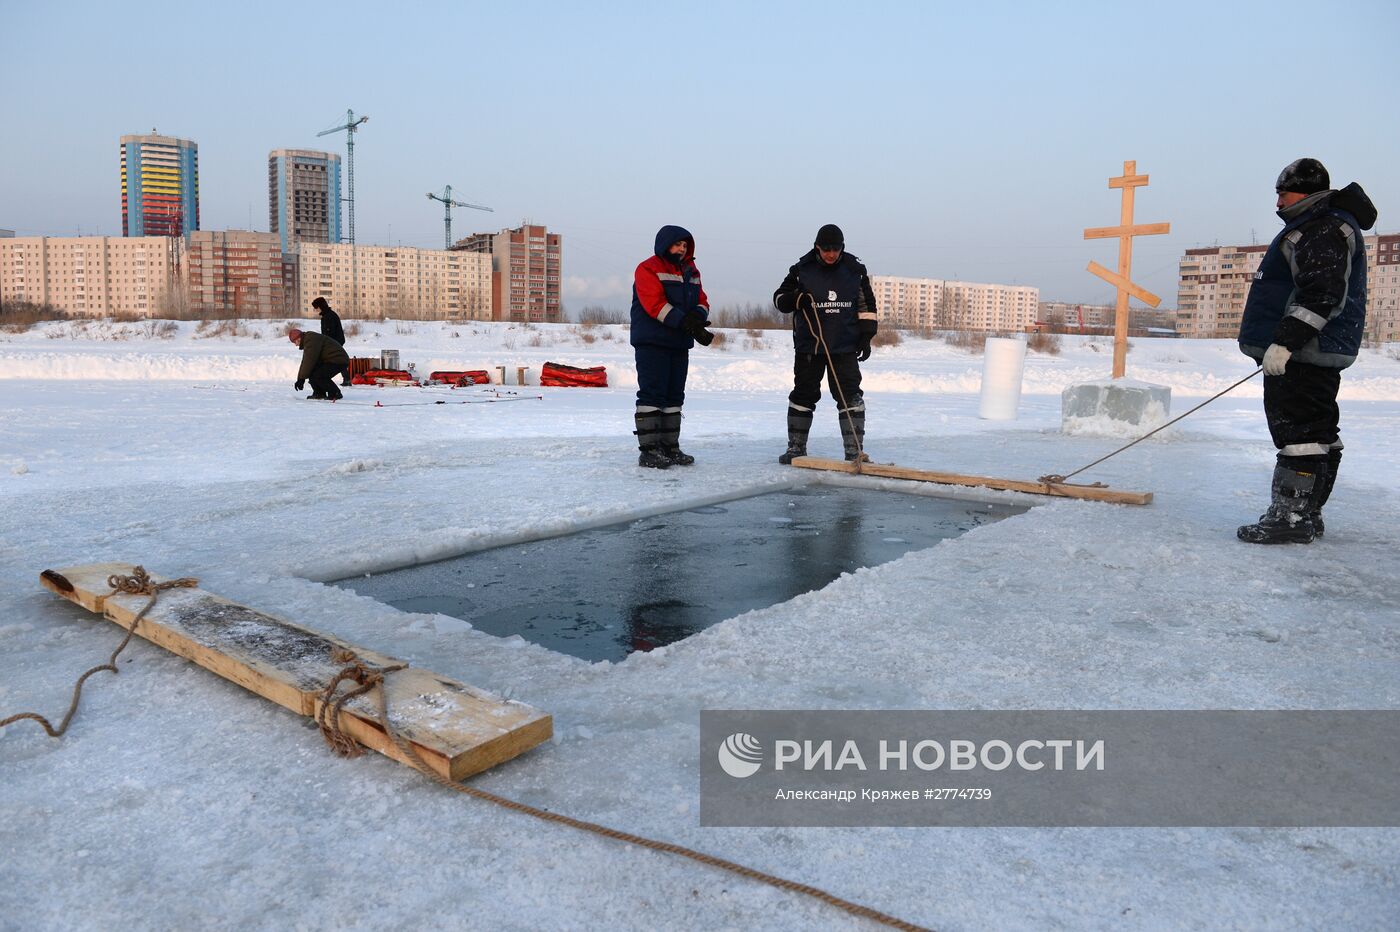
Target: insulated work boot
<point x="1287" y="521"/>
<point x="671" y="438"/>
<point x="649" y="440"/>
<point x="853" y="433"/>
<point x="1323" y="489"/>
<point x="799" y="425"/>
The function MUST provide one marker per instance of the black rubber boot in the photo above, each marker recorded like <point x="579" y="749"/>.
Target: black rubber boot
<point x="671" y="439"/>
<point x="799" y="426"/>
<point x="853" y="433"/>
<point x="1322" y="491"/>
<point x="649" y="440"/>
<point x="1288" y="520"/>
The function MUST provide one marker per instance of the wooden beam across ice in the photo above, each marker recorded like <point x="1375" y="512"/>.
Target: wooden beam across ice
<point x="456" y="729"/>
<point x="1091" y="493"/>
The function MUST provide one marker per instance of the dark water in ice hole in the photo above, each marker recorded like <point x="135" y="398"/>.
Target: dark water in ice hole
<point x="604" y="593"/>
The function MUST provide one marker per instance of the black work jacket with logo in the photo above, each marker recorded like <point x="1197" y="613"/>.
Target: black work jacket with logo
<point x="842" y="305"/>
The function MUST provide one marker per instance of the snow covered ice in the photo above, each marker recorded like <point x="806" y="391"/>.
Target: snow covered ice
<point x="179" y="800"/>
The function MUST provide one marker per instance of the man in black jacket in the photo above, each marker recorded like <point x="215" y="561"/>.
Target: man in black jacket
<point x="834" y="319"/>
<point x="1302" y="322"/>
<point x="330" y="327"/>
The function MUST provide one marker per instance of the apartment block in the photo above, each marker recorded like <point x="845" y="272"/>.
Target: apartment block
<point x="1069" y="317"/>
<point x="402" y="282"/>
<point x="303" y="196"/>
<point x="930" y="303"/>
<point x="525" y="272"/>
<point x="1214" y="284"/>
<point x="1383" y="288"/>
<point x="236" y="273"/>
<point x="90" y="276"/>
<point x="1212" y="287"/>
<point x="160" y="185"/>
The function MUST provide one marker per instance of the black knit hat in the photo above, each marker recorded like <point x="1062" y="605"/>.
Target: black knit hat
<point x="320" y="304"/>
<point x="1303" y="176"/>
<point x="830" y="237"/>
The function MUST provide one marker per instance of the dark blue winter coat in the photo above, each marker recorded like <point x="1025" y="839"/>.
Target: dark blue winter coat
<point x="842" y="303"/>
<point x="664" y="291"/>
<point x="1309" y="293"/>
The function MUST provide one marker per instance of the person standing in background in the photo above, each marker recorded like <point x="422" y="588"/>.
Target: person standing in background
<point x="330" y="327"/>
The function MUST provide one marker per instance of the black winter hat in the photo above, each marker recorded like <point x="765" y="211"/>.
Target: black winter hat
<point x="831" y="237"/>
<point x="320" y="304"/>
<point x="1303" y="176"/>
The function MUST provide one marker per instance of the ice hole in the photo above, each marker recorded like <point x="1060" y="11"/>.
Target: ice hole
<point x="601" y="594"/>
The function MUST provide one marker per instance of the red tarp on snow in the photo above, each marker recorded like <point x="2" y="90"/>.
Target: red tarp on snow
<point x="461" y="378"/>
<point x="368" y="377"/>
<point x="560" y="375"/>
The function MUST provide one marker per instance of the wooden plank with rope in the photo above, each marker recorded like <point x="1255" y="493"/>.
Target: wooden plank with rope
<point x="341" y="728"/>
<point x="1095" y="493"/>
<point x="1053" y="484"/>
<point x="454" y="729"/>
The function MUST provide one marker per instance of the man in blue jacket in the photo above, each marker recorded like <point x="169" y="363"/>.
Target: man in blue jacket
<point x="669" y="315"/>
<point x="1303" y="321"/>
<point x="828" y="293"/>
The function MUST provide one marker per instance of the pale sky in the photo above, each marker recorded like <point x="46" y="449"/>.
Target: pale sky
<point x="967" y="140"/>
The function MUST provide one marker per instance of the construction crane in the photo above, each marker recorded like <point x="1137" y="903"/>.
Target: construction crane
<point x="448" y="203"/>
<point x="349" y="126"/>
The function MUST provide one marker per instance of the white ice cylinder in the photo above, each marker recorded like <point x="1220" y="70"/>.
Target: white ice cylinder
<point x="1003" y="363"/>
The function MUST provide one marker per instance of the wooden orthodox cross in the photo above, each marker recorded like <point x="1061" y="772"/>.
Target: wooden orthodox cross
<point x="1125" y="232"/>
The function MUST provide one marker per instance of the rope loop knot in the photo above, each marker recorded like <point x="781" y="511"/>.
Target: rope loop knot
<point x="140" y="583"/>
<point x="365" y="677"/>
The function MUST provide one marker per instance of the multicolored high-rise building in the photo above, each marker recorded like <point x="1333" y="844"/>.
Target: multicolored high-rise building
<point x="160" y="186"/>
<point x="303" y="196"/>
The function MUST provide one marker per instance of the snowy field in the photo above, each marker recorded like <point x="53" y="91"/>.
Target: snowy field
<point x="178" y="800"/>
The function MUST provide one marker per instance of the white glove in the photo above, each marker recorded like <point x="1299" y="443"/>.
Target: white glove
<point x="1276" y="358"/>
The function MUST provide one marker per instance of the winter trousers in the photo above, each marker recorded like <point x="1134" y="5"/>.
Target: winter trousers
<point x="322" y="380"/>
<point x="661" y="373"/>
<point x="843" y="380"/>
<point x="1301" y="408"/>
<point x="807" y="372"/>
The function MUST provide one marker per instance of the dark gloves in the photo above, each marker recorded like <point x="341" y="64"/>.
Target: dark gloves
<point x="694" y="325"/>
<point x="864" y="349"/>
<point x="299" y="384"/>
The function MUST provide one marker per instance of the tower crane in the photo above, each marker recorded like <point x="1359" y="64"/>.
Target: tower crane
<point x="448" y="203"/>
<point x="350" y="126"/>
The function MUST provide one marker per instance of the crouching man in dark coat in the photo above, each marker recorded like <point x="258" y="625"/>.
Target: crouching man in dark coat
<point x="321" y="359"/>
<point x="1302" y="322"/>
